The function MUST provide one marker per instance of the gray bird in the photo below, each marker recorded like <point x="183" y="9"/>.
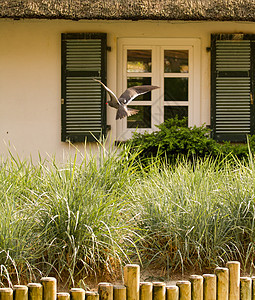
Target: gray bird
<point x="125" y="98"/>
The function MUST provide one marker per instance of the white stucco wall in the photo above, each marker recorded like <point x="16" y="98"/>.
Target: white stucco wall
<point x="30" y="74"/>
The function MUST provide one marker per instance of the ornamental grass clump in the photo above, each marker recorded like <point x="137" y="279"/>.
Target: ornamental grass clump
<point x="20" y="246"/>
<point x="93" y="214"/>
<point x="197" y="215"/>
<point x="71" y="220"/>
<point x="85" y="216"/>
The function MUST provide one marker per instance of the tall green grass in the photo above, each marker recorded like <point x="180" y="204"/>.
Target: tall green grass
<point x="93" y="214"/>
<point x="70" y="219"/>
<point x="197" y="215"/>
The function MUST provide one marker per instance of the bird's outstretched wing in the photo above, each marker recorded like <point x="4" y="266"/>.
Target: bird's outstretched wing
<point x="115" y="101"/>
<point x="135" y="91"/>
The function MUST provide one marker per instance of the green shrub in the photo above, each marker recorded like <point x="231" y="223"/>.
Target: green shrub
<point x="174" y="139"/>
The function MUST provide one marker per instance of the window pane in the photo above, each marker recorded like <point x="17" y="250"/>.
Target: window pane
<point x="140" y="81"/>
<point x="139" y="61"/>
<point x="176" y="61"/>
<point x="176" y="89"/>
<point x="140" y="120"/>
<point x="172" y="111"/>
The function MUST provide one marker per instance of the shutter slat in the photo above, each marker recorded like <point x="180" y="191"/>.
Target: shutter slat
<point x="83" y="55"/>
<point x="84" y="112"/>
<point x="233" y="55"/>
<point x="235" y="117"/>
<point x="232" y="92"/>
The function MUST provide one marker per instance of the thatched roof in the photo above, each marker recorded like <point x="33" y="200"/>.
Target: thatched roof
<point x="219" y="10"/>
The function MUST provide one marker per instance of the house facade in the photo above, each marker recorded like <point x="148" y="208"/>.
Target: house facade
<point x="200" y="54"/>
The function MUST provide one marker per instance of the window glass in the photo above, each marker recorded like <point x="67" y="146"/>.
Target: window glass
<point x="173" y="111"/>
<point x="140" y="81"/>
<point x="176" y="61"/>
<point x="176" y="89"/>
<point x="139" y="61"/>
<point x="142" y="119"/>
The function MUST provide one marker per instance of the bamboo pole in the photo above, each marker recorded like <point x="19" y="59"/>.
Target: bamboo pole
<point x="234" y="280"/>
<point x="35" y="291"/>
<point x="145" y="291"/>
<point x="222" y="283"/>
<point x="172" y="292"/>
<point x="105" y="291"/>
<point x="245" y="288"/>
<point x="132" y="281"/>
<point x="209" y="287"/>
<point x="184" y="289"/>
<point x="77" y="294"/>
<point x="49" y="288"/>
<point x="196" y="287"/>
<point x="6" y="294"/>
<point x="20" y="292"/>
<point x="91" y="295"/>
<point x="119" y="292"/>
<point x="63" y="296"/>
<point x="253" y="287"/>
<point x="159" y="291"/>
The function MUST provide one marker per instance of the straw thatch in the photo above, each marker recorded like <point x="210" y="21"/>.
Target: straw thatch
<point x="219" y="10"/>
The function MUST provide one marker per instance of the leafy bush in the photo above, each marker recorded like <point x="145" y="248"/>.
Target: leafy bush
<point x="174" y="139"/>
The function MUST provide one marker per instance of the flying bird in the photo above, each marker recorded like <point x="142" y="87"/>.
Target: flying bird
<point x="130" y="94"/>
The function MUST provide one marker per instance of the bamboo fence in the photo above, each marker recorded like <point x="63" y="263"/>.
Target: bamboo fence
<point x="224" y="284"/>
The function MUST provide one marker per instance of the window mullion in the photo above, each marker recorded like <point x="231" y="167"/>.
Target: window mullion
<point x="157" y="97"/>
<point x="137" y="74"/>
<point x="176" y="103"/>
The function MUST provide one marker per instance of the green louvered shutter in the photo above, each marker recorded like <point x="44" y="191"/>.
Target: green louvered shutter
<point x="231" y="87"/>
<point x="83" y="100"/>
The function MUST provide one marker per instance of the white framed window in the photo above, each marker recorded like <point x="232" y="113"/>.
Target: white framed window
<point x="173" y="64"/>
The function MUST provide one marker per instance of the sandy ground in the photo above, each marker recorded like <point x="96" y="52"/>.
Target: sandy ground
<point x="148" y="275"/>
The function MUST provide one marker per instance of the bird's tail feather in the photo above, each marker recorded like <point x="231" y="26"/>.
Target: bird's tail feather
<point x="131" y="111"/>
<point x="122" y="112"/>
